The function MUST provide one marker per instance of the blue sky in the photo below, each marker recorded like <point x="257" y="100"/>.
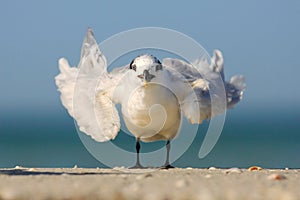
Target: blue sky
<point x="259" y="39"/>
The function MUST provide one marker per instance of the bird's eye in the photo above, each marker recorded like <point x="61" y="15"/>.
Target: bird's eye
<point x="204" y="92"/>
<point x="158" y="67"/>
<point x="132" y="66"/>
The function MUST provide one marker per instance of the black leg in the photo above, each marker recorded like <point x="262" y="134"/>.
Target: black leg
<point x="138" y="147"/>
<point x="167" y="164"/>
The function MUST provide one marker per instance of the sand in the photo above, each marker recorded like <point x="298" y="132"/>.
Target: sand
<point x="188" y="183"/>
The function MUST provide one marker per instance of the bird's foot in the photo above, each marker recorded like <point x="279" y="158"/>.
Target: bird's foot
<point x="137" y="166"/>
<point x="168" y="166"/>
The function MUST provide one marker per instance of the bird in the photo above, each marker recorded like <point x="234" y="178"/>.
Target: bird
<point x="153" y="95"/>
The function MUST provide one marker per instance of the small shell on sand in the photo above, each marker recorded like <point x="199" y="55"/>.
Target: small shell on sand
<point x="31" y="169"/>
<point x="140" y="177"/>
<point x="233" y="170"/>
<point x="276" y="177"/>
<point x="212" y="168"/>
<point x="148" y="175"/>
<point x="254" y="168"/>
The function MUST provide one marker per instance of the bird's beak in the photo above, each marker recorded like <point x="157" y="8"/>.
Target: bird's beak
<point x="146" y="76"/>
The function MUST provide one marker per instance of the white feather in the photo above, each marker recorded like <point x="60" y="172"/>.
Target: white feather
<point x="85" y="96"/>
<point x="196" y="103"/>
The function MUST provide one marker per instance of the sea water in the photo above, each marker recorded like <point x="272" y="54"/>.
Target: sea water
<point x="248" y="138"/>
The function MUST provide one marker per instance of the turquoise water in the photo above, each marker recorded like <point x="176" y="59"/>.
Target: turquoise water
<point x="40" y="140"/>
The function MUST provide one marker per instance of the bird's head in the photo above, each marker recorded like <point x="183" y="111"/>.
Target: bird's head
<point x="146" y="67"/>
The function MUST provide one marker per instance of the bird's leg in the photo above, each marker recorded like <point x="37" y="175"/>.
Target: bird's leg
<point x="167" y="164"/>
<point x="138" y="147"/>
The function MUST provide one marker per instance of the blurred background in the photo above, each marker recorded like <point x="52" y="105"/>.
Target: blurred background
<point x="259" y="39"/>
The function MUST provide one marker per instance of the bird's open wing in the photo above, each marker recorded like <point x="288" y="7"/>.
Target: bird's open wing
<point x="92" y="109"/>
<point x="204" y="83"/>
<point x="181" y="69"/>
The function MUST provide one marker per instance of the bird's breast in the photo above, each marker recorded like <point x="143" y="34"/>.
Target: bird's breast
<point x="151" y="109"/>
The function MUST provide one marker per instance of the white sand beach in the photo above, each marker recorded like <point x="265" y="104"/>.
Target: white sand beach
<point x="178" y="183"/>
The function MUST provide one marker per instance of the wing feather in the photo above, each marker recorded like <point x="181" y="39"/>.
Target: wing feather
<point x="196" y="104"/>
<point x="65" y="82"/>
<point x="92" y="109"/>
